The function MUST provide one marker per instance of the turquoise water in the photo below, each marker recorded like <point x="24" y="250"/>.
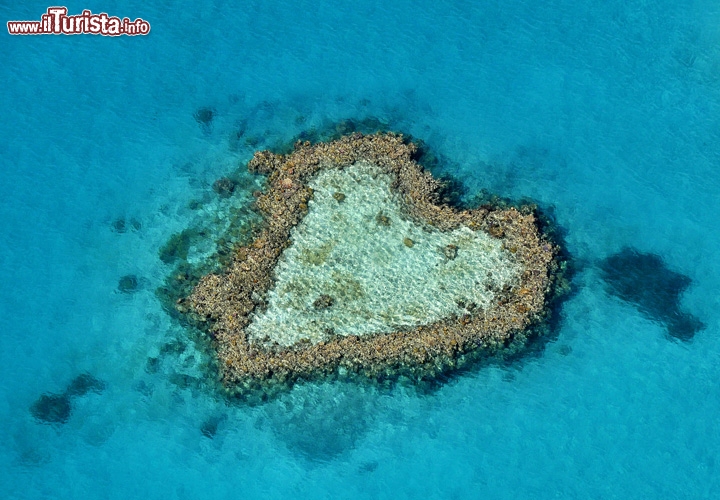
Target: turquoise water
<point x="607" y="112"/>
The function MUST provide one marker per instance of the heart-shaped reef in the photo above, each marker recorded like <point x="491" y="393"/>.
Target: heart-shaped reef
<point x="358" y="269"/>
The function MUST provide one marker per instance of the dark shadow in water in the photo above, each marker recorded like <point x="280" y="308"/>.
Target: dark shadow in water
<point x="52" y="408"/>
<point x="204" y="116"/>
<point x="84" y="383"/>
<point x="320" y="422"/>
<point x="128" y="283"/>
<point x="368" y="467"/>
<point x="57" y="408"/>
<point x="212" y="424"/>
<point x="643" y="279"/>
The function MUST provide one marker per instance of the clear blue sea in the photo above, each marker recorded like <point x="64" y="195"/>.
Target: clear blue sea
<point x="607" y="113"/>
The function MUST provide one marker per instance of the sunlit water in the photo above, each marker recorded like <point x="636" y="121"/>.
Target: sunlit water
<point x="604" y="113"/>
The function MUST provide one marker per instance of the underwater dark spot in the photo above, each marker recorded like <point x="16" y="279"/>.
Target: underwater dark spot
<point x="84" y="383"/>
<point x="224" y="186"/>
<point x="643" y="279"/>
<point x="368" y="467"/>
<point x="344" y="127"/>
<point x="252" y="141"/>
<point x="371" y="125"/>
<point x="312" y="135"/>
<point x="52" y="408"/>
<point x="184" y="381"/>
<point x="234" y="140"/>
<point x="30" y="456"/>
<point x="424" y="155"/>
<point x="323" y="302"/>
<point x="56" y="408"/>
<point x="173" y="347"/>
<point x="383" y="220"/>
<point x="143" y="388"/>
<point x="320" y="422"/>
<point x="452" y="190"/>
<point x="152" y="365"/>
<point x="204" y="117"/>
<point x="565" y="350"/>
<point x="210" y="426"/>
<point x="128" y="283"/>
<point x="178" y="246"/>
<point x="120" y="225"/>
<point x="450" y="251"/>
<point x="683" y="326"/>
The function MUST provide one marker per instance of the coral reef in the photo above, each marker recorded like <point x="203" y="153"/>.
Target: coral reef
<point x="224" y="186"/>
<point x="84" y="383"/>
<point x="121" y="225"/>
<point x="643" y="279"/>
<point x="57" y="408"/>
<point x="52" y="408"/>
<point x="204" y="116"/>
<point x="504" y="268"/>
<point x="128" y="283"/>
<point x="177" y="246"/>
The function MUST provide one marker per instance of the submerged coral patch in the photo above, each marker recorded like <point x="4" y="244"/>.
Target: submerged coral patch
<point x="57" y="408"/>
<point x="128" y="283"/>
<point x="644" y="280"/>
<point x="84" y="383"/>
<point x="359" y="268"/>
<point x="52" y="408"/>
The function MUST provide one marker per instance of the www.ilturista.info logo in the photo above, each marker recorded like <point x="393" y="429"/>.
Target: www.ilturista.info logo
<point x="56" y="22"/>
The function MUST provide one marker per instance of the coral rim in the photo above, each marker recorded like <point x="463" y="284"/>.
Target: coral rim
<point x="223" y="303"/>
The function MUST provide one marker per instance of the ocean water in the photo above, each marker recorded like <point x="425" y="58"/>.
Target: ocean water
<point x="607" y="114"/>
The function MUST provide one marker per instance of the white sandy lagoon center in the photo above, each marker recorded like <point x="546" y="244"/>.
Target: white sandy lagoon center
<point x="356" y="265"/>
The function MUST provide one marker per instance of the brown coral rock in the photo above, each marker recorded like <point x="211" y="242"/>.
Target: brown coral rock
<point x="227" y="301"/>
